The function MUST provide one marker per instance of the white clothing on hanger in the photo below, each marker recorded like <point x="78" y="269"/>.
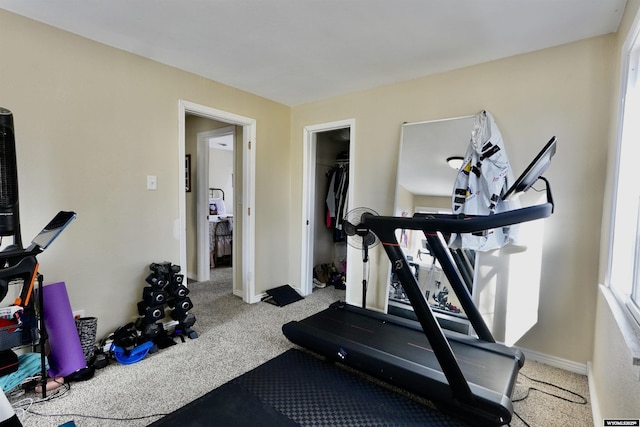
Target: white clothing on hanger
<point x="481" y="182"/>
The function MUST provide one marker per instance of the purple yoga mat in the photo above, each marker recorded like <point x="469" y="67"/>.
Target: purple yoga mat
<point x="65" y="356"/>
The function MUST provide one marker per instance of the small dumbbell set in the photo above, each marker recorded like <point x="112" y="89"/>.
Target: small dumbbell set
<point x="165" y="288"/>
<point x="133" y="341"/>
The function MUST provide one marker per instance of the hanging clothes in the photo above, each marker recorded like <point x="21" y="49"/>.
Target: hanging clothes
<point x="482" y="180"/>
<point x="336" y="199"/>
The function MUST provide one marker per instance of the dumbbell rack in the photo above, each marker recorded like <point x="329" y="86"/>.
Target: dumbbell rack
<point x="165" y="288"/>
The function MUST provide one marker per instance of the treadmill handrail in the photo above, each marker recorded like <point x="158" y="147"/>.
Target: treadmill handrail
<point x="451" y="223"/>
<point x="448" y="223"/>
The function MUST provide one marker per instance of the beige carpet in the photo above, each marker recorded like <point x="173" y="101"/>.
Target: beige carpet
<point x="235" y="337"/>
<point x="545" y="404"/>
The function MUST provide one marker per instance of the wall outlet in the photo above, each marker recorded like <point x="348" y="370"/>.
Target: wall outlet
<point x="78" y="314"/>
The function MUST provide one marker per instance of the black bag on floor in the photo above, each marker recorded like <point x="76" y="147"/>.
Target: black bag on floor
<point x="8" y="362"/>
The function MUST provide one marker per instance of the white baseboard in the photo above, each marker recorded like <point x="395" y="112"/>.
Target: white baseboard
<point x="254" y="299"/>
<point x="556" y="362"/>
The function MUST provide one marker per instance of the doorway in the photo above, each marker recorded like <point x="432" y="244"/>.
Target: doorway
<point x="215" y="196"/>
<point x="325" y="147"/>
<point x="244" y="200"/>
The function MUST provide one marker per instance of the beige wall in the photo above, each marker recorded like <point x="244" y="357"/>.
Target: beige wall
<point x="91" y="123"/>
<point x="563" y="91"/>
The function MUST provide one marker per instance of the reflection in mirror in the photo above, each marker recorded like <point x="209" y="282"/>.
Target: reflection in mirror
<point x="424" y="185"/>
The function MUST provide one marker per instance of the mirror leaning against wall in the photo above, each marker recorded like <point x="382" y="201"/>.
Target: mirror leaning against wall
<point x="424" y="184"/>
<point x="504" y="282"/>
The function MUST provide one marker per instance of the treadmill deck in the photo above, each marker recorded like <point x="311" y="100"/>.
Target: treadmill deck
<point x="397" y="351"/>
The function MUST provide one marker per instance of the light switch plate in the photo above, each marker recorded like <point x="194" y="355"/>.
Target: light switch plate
<point x="152" y="182"/>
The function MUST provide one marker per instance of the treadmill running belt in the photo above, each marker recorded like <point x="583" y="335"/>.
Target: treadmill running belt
<point x="479" y="367"/>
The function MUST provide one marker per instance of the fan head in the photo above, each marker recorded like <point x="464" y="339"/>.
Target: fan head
<point x="359" y="236"/>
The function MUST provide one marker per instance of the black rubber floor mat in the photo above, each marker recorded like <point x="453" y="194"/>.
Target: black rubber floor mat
<point x="282" y="295"/>
<point x="296" y="388"/>
<point x="227" y="405"/>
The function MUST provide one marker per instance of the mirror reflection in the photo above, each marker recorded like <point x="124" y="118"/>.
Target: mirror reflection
<point x="424" y="185"/>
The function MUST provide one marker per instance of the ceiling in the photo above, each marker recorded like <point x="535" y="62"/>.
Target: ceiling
<point x="299" y="51"/>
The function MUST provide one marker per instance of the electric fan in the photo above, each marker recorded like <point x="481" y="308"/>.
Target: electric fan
<point x="9" y="212"/>
<point x="360" y="237"/>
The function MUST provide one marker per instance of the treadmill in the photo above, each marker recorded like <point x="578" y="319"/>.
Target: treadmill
<point x="471" y="377"/>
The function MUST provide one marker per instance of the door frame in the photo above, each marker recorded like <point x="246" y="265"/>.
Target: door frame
<point x="243" y="274"/>
<point x="310" y="142"/>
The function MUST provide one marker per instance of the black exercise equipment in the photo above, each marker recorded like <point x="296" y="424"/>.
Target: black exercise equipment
<point x="19" y="264"/>
<point x="166" y="287"/>
<point x="9" y="206"/>
<point x="472" y="377"/>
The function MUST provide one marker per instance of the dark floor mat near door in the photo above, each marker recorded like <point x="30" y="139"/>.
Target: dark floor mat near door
<point x="282" y="295"/>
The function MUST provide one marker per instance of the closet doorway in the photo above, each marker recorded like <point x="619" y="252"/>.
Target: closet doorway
<point x="328" y="153"/>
